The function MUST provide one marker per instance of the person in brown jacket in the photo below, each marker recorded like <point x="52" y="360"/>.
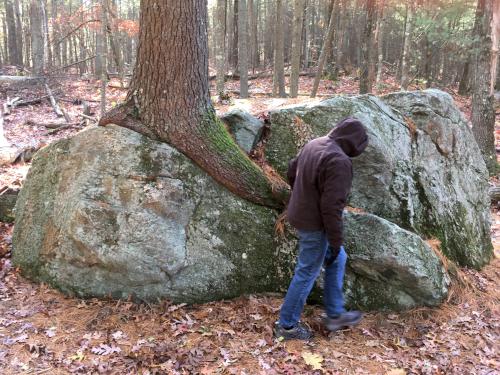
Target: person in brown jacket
<point x="321" y="179"/>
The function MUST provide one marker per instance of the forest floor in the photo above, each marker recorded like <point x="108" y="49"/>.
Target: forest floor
<point x="45" y="332"/>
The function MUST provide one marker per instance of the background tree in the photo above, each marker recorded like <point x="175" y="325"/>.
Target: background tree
<point x="368" y="50"/>
<point x="298" y="13"/>
<point x="325" y="51"/>
<point x="220" y="49"/>
<point x="405" y="58"/>
<point x="243" y="47"/>
<point x="279" y="53"/>
<point x="483" y="114"/>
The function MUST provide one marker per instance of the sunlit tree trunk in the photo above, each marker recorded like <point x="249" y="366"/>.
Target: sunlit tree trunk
<point x="405" y="61"/>
<point x="168" y="100"/>
<point x="279" y="53"/>
<point x="37" y="37"/>
<point x="243" y="47"/>
<point x="483" y="114"/>
<point x="298" y="13"/>
<point x="367" y="50"/>
<point x="220" y="44"/>
<point x="325" y="51"/>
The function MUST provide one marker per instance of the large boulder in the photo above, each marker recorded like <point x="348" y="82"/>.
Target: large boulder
<point x="390" y="267"/>
<point x="245" y="128"/>
<point x="110" y="212"/>
<point x="422" y="169"/>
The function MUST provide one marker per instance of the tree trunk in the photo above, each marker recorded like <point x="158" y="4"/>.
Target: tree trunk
<point x="495" y="39"/>
<point x="325" y="51"/>
<point x="233" y="57"/>
<point x="220" y="45"/>
<point x="380" y="39"/>
<point x="253" y="35"/>
<point x="56" y="34"/>
<point x="367" y="50"/>
<point x="11" y="33"/>
<point x="112" y="38"/>
<point x="243" y="47"/>
<point x="405" y="60"/>
<point x="47" y="52"/>
<point x="483" y="114"/>
<point x="279" y="53"/>
<point x="168" y="100"/>
<point x="19" y="33"/>
<point x="104" y="61"/>
<point x="37" y="38"/>
<point x="298" y="13"/>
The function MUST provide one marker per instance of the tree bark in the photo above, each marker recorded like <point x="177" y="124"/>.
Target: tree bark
<point x="405" y="60"/>
<point x="37" y="38"/>
<point x="380" y="38"/>
<point x="11" y="32"/>
<point x="367" y="50"/>
<point x="233" y="55"/>
<point x="243" y="47"/>
<point x="253" y="34"/>
<point x="325" y="51"/>
<point x="19" y="33"/>
<point x="298" y="13"/>
<point x="220" y="45"/>
<point x="495" y="39"/>
<point x="169" y="100"/>
<point x="483" y="114"/>
<point x="279" y="53"/>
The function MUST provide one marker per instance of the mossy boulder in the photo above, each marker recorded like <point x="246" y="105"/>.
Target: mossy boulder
<point x="422" y="170"/>
<point x="109" y="212"/>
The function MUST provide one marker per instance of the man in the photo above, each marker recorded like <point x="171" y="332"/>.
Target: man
<point x="321" y="178"/>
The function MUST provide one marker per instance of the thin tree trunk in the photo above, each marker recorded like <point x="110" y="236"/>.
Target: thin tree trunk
<point x="325" y="51"/>
<point x="11" y="33"/>
<point x="104" y="72"/>
<point x="19" y="33"/>
<point x="367" y="50"/>
<point x="279" y="53"/>
<point x="112" y="38"/>
<point x="169" y="100"/>
<point x="5" y="40"/>
<point x="47" y="52"/>
<point x="220" y="45"/>
<point x="243" y="47"/>
<point x="234" y="44"/>
<point x="380" y="39"/>
<point x="483" y="114"/>
<point x="253" y="34"/>
<point x="37" y="38"/>
<point x="495" y="39"/>
<point x="298" y="13"/>
<point x="405" y="60"/>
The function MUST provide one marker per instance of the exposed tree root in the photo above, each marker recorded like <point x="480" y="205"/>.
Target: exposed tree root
<point x="212" y="148"/>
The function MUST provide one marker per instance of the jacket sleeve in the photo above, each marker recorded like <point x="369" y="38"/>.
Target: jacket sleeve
<point x="334" y="182"/>
<point x="292" y="170"/>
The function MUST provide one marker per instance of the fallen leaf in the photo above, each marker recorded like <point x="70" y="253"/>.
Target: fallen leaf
<point x="396" y="371"/>
<point x="313" y="360"/>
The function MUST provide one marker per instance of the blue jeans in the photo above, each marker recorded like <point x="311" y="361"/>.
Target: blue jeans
<point x="314" y="251"/>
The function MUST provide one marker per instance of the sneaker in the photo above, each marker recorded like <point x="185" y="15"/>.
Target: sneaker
<point x="299" y="332"/>
<point x="347" y="319"/>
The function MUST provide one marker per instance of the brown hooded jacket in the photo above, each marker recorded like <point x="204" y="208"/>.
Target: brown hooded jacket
<point x="321" y="179"/>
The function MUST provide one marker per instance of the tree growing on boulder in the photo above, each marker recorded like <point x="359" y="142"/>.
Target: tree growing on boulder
<point x="169" y="100"/>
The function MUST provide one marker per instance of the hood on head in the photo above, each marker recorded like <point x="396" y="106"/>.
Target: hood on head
<point x="350" y="135"/>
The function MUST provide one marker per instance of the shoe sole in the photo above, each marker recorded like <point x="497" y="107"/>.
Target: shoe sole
<point x="335" y="327"/>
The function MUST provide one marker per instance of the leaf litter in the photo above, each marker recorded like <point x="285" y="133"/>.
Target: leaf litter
<point x="44" y="331"/>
